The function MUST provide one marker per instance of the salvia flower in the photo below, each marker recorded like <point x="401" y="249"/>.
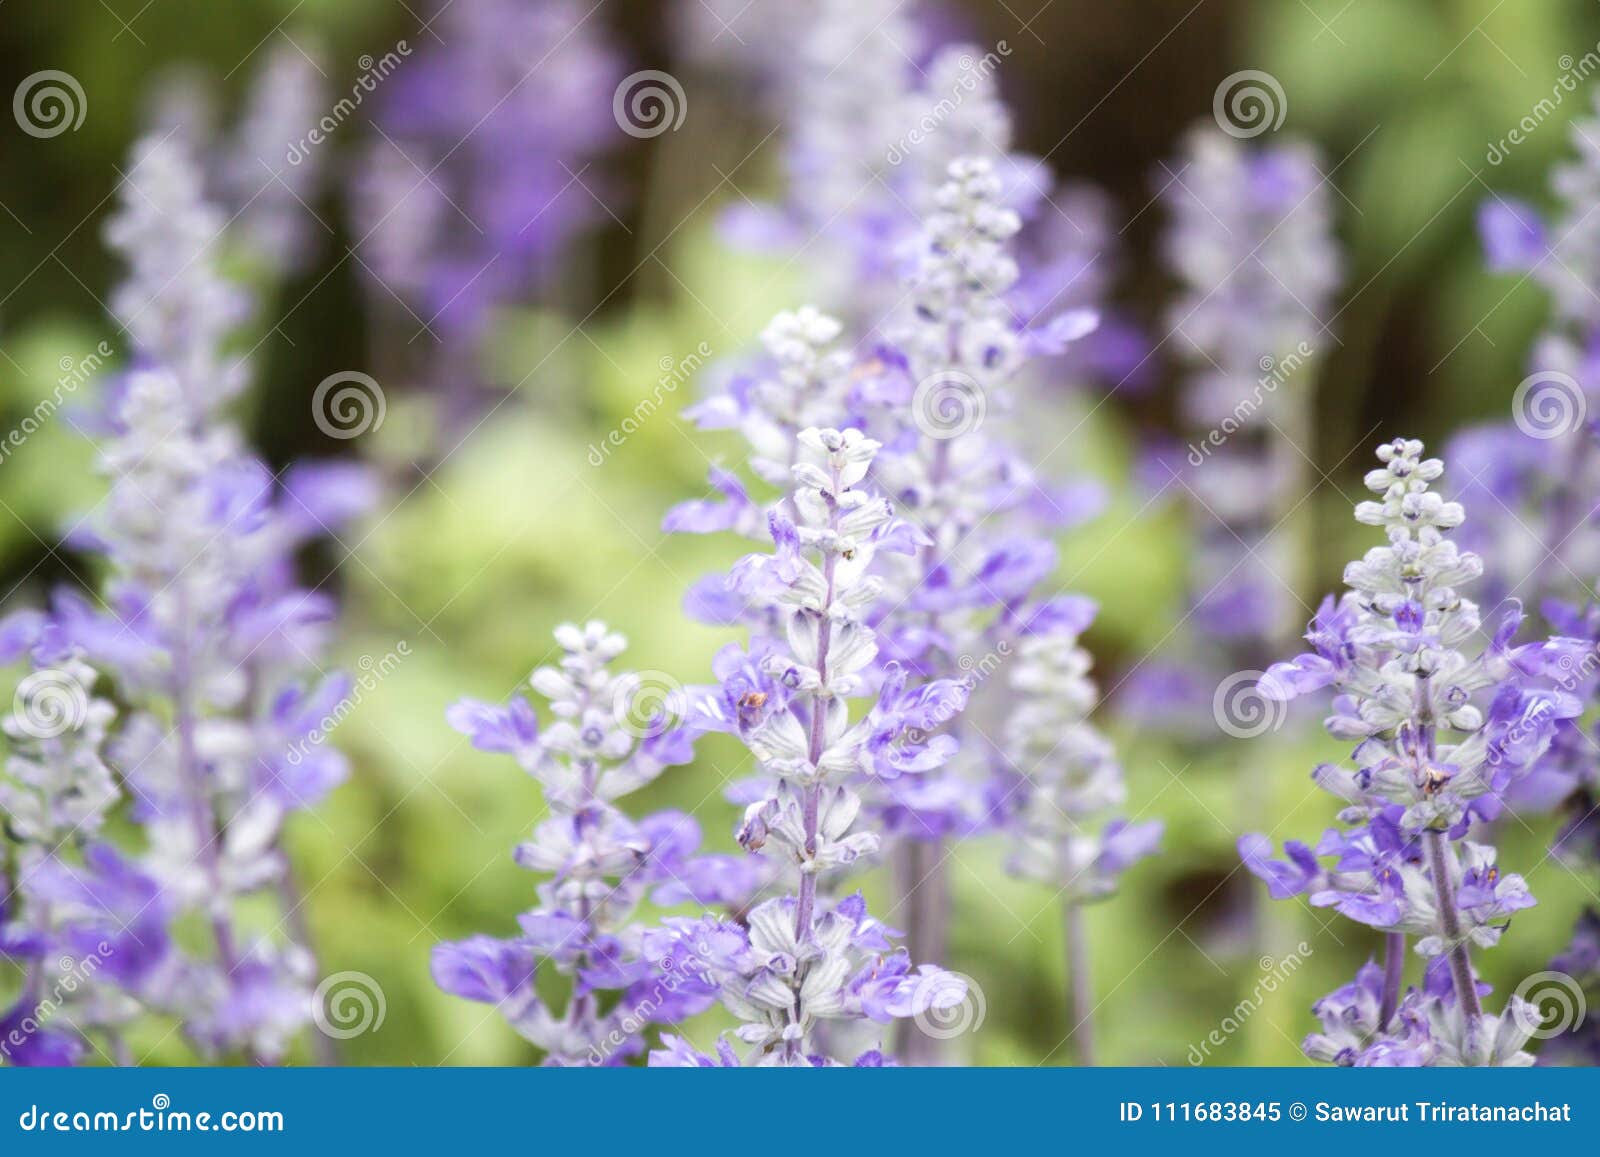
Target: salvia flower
<point x="973" y="550"/>
<point x="1250" y="241"/>
<point x="483" y="179"/>
<point x="1065" y="834"/>
<point x="175" y="304"/>
<point x="841" y="150"/>
<point x="1579" y="1039"/>
<point x="805" y="958"/>
<point x="271" y="168"/>
<point x="263" y="171"/>
<point x="1444" y="729"/>
<point x="984" y="520"/>
<point x="1534" y="476"/>
<point x="207" y="637"/>
<point x="604" y="741"/>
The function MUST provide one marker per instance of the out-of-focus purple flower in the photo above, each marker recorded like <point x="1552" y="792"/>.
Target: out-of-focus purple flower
<point x="1541" y="466"/>
<point x="207" y="635"/>
<point x="484" y="177"/>
<point x="1512" y="234"/>
<point x="1250" y="239"/>
<point x="509" y="730"/>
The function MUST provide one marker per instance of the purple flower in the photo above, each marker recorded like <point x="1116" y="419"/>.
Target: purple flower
<point x="206" y="635"/>
<point x="1251" y="242"/>
<point x="1294" y="877"/>
<point x="25" y="1042"/>
<point x="509" y="730"/>
<point x="1444" y="733"/>
<point x="1332" y="652"/>
<point x="603" y="743"/>
<point x="1512" y="234"/>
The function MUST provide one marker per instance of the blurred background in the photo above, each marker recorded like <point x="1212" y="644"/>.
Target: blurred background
<point x="492" y="531"/>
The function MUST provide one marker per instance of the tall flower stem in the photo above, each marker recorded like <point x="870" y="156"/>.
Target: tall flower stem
<point x="1080" y="984"/>
<point x="1394" y="973"/>
<point x="207" y="832"/>
<point x="1567" y="512"/>
<point x="817" y="742"/>
<point x="293" y="902"/>
<point x="922" y="885"/>
<point x="581" y="1010"/>
<point x="1442" y="867"/>
<point x="811" y="797"/>
<point x="1394" y="970"/>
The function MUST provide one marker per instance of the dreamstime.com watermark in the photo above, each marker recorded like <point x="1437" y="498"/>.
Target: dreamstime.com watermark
<point x="1242" y="710"/>
<point x="648" y="103"/>
<point x="1274" y="373"/>
<point x="49" y="103"/>
<point x="674" y="372"/>
<point x="49" y="703"/>
<point x="373" y="73"/>
<point x="348" y="1004"/>
<point x="1248" y="103"/>
<point x="948" y="1005"/>
<point x="76" y="972"/>
<point x="1557" y="999"/>
<point x="690" y="963"/>
<point x="977" y="671"/>
<point x="948" y="404"/>
<point x="347" y="404"/>
<point x="1549" y="404"/>
<point x="74" y="373"/>
<point x="1541" y="716"/>
<point x="1274" y="973"/>
<point x="973" y="74"/>
<point x="160" y="1117"/>
<point x="373" y="672"/>
<point x="1573" y="75"/>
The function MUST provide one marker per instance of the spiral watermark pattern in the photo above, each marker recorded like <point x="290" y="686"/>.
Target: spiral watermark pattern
<point x="1242" y="711"/>
<point x="948" y="1004"/>
<point x="348" y="404"/>
<point x="1548" y="404"/>
<point x="648" y="103"/>
<point x="948" y="404"/>
<point x="348" y="1004"/>
<point x="645" y="700"/>
<point x="49" y="703"/>
<point x="1559" y="998"/>
<point x="1249" y="103"/>
<point x="49" y="103"/>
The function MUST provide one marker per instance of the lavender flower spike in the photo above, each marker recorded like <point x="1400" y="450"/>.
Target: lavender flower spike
<point x="175" y="304"/>
<point x="1073" y="779"/>
<point x="806" y="958"/>
<point x="271" y="170"/>
<point x="1253" y="239"/>
<point x="206" y="637"/>
<point x="55" y="790"/>
<point x="1443" y="734"/>
<point x="600" y="863"/>
<point x="1536" y="475"/>
<point x="985" y="520"/>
